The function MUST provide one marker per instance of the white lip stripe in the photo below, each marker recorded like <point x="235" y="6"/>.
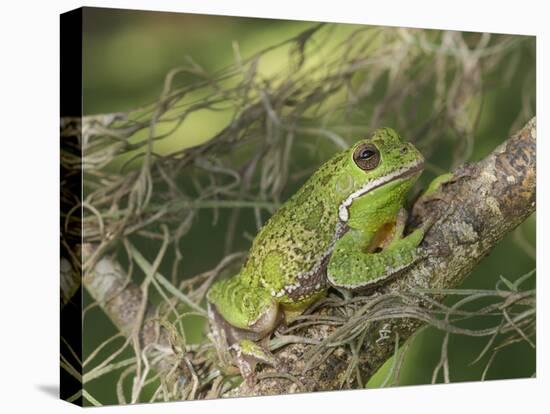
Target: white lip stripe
<point x="343" y="211"/>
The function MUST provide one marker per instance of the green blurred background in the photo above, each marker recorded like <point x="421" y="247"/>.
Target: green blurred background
<point x="126" y="57"/>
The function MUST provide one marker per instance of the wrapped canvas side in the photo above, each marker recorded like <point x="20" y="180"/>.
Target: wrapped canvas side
<point x="71" y="206"/>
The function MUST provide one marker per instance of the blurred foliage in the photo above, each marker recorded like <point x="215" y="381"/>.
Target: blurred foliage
<point x="459" y="116"/>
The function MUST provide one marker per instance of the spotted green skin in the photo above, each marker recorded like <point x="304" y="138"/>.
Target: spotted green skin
<point x="313" y="242"/>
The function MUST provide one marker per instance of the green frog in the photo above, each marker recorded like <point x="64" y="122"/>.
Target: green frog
<point x="343" y="228"/>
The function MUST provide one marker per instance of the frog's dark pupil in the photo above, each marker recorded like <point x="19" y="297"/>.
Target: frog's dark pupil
<point x="367" y="157"/>
<point x="366" y="153"/>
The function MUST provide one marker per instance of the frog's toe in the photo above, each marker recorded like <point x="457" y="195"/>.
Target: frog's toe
<point x="249" y="354"/>
<point x="435" y="185"/>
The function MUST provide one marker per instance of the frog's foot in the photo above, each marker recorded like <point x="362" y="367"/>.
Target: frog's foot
<point x="423" y="229"/>
<point x="416" y="236"/>
<point x="248" y="355"/>
<point x="388" y="233"/>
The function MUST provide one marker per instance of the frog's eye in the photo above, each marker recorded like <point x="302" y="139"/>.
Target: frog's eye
<point x="367" y="157"/>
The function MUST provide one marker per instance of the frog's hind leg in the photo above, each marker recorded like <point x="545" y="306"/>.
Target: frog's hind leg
<point x="247" y="308"/>
<point x="351" y="267"/>
<point x="242" y="319"/>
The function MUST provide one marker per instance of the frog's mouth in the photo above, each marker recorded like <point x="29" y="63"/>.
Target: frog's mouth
<point x="400" y="174"/>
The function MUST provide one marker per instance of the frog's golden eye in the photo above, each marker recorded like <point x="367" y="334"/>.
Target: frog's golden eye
<point x="367" y="157"/>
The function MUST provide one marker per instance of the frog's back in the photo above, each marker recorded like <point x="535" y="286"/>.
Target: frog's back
<point x="288" y="253"/>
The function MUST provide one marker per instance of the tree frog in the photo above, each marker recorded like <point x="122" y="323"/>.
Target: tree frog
<point x="343" y="228"/>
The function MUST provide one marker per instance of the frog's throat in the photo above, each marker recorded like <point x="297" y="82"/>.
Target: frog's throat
<point x="404" y="172"/>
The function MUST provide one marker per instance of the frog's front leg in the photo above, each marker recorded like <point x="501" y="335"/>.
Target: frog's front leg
<point x="435" y="185"/>
<point x="351" y="267"/>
